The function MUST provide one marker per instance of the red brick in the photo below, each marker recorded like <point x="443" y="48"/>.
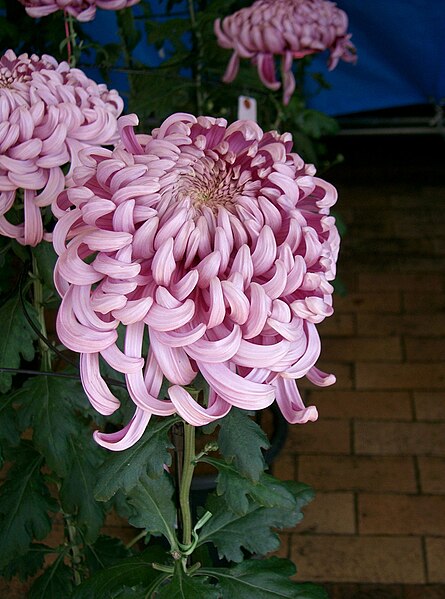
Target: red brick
<point x="338" y="325"/>
<point x="368" y="302"/>
<point x="366" y="349"/>
<point x="435" y="552"/>
<point x="400" y="376"/>
<point x="323" y="436"/>
<point x="358" y="473"/>
<point x="399" y="438"/>
<point x="430" y="405"/>
<point x="401" y="514"/>
<point x="283" y="466"/>
<point x="432" y="474"/>
<point x="329" y="513"/>
<point x="343" y="374"/>
<point x="372" y="405"/>
<point x="424" y="302"/>
<point x="436" y="591"/>
<point x="358" y="559"/>
<point x="420" y="349"/>
<point x="414" y="325"/>
<point x="400" y="281"/>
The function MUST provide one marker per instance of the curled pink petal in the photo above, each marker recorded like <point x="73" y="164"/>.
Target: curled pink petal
<point x="82" y="10"/>
<point x="126" y="437"/>
<point x="50" y="113"/>
<point x="287" y="28"/>
<point x="192" y="412"/>
<point x="211" y="245"/>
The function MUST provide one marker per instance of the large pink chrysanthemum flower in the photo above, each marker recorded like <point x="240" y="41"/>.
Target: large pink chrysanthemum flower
<point x="48" y="113"/>
<point x="212" y="242"/>
<point x="288" y="28"/>
<point x="82" y="10"/>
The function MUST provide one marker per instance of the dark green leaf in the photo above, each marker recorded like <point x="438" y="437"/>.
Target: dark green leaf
<point x="105" y="552"/>
<point x="126" y="573"/>
<point x="263" y="579"/>
<point x="46" y="260"/>
<point x="182" y="586"/>
<point x="241" y="441"/>
<point x="55" y="583"/>
<point x="47" y="406"/>
<point x="153" y="507"/>
<point x="28" y="564"/>
<point x="254" y="531"/>
<point x="24" y="505"/>
<point x="9" y="433"/>
<point x="77" y="490"/>
<point x="123" y="469"/>
<point x="267" y="492"/>
<point x="16" y="339"/>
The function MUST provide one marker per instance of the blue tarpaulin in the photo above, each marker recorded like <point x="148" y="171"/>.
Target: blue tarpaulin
<point x="401" y="55"/>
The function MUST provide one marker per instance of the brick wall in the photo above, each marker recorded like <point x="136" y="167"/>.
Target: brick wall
<point x="376" y="457"/>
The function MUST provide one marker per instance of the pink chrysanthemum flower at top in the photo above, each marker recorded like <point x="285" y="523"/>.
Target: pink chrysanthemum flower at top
<point x="287" y="28"/>
<point x="48" y="113"/>
<point x="82" y="10"/>
<point x="216" y="243"/>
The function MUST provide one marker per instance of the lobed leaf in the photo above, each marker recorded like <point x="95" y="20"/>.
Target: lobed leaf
<point x="153" y="507"/>
<point x="54" y="583"/>
<point x="116" y="579"/>
<point x="24" y="505"/>
<point x="17" y="338"/>
<point x="241" y="441"/>
<point x="263" y="579"/>
<point x="183" y="586"/>
<point x="122" y="470"/>
<point x="253" y="531"/>
<point x="47" y="406"/>
<point x="77" y="490"/>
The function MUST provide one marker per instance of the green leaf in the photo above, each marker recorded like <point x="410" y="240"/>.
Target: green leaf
<point x="182" y="586"/>
<point x="77" y="490"/>
<point x="9" y="433"/>
<point x="28" y="564"/>
<point x="104" y="552"/>
<point x="24" y="505"/>
<point x="46" y="260"/>
<point x="123" y="469"/>
<point x="126" y="573"/>
<point x="240" y="441"/>
<point x="268" y="491"/>
<point x="263" y="579"/>
<point x="47" y="406"/>
<point x="153" y="508"/>
<point x="255" y="530"/>
<point x="16" y="339"/>
<point x="56" y="582"/>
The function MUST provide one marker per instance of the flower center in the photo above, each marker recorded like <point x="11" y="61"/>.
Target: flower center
<point x="6" y="78"/>
<point x="212" y="188"/>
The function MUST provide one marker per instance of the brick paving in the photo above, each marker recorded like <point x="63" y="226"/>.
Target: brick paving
<point x="376" y="457"/>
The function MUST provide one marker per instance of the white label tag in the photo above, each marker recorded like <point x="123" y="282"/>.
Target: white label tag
<point x="246" y="108"/>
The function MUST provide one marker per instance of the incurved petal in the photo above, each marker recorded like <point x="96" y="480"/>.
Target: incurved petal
<point x="190" y="410"/>
<point x="127" y="436"/>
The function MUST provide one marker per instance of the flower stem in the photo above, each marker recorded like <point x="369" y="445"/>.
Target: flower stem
<point x="186" y="481"/>
<point x="70" y="36"/>
<point x="200" y="55"/>
<point x="45" y="353"/>
<point x="75" y="551"/>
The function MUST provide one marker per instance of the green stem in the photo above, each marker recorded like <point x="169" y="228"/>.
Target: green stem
<point x="75" y="551"/>
<point x="186" y="481"/>
<point x="136" y="539"/>
<point x="200" y="55"/>
<point x="39" y="306"/>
